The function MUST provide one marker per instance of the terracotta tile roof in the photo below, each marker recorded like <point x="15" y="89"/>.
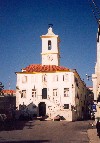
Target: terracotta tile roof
<point x="44" y="68"/>
<point x="9" y="91"/>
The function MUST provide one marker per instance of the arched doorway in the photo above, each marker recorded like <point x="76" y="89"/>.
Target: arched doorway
<point x="42" y="109"/>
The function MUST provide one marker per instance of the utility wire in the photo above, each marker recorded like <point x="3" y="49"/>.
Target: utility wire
<point x="95" y="10"/>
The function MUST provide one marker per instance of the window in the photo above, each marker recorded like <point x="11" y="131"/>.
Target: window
<point x="98" y="99"/>
<point x="65" y="77"/>
<point x="66" y="92"/>
<point x="34" y="79"/>
<point x="55" y="92"/>
<point x="44" y="78"/>
<point x="44" y="93"/>
<point x="66" y="106"/>
<point x="18" y="78"/>
<point x="24" y="79"/>
<point x="34" y="93"/>
<point x="76" y="81"/>
<point x="23" y="94"/>
<point x="49" y="45"/>
<point x="77" y="96"/>
<point x="55" y="78"/>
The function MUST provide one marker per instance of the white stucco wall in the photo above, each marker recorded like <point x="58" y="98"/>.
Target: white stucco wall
<point x="50" y="56"/>
<point x="96" y="76"/>
<point x="56" y="104"/>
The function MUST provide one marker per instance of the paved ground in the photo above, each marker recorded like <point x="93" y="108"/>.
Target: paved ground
<point x="48" y="131"/>
<point x="92" y="134"/>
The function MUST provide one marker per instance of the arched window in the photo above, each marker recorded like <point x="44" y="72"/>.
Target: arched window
<point x="49" y="44"/>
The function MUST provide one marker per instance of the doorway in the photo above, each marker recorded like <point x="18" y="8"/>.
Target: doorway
<point x="42" y="109"/>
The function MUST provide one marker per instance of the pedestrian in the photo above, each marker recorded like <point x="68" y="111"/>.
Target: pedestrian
<point x="98" y="127"/>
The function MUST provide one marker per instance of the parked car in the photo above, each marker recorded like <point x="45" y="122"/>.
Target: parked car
<point x="57" y="118"/>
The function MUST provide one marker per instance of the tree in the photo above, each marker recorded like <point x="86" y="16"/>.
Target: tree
<point x="1" y="87"/>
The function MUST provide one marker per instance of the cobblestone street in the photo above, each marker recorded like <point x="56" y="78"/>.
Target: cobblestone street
<point x="45" y="131"/>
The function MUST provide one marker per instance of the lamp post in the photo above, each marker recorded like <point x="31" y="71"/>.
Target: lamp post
<point x="91" y="105"/>
<point x="88" y="77"/>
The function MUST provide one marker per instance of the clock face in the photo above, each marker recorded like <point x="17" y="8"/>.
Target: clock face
<point x="49" y="57"/>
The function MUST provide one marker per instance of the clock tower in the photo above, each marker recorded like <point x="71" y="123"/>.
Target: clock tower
<point x="50" y="48"/>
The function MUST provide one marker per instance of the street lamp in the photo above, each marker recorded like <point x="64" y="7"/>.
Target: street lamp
<point x="88" y="77"/>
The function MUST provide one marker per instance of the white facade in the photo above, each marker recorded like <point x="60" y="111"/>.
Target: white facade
<point x="96" y="76"/>
<point x="48" y="88"/>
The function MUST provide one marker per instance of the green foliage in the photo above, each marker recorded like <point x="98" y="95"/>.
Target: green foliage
<point x="1" y="87"/>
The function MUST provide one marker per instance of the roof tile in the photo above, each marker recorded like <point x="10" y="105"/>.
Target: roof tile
<point x="44" y="68"/>
<point x="9" y="91"/>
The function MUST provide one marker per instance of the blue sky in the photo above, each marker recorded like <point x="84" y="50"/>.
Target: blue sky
<point x="22" y="22"/>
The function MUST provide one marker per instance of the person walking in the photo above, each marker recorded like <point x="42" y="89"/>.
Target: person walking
<point x="92" y="125"/>
<point x="98" y="128"/>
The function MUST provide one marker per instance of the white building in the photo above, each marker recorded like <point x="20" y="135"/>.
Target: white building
<point x="50" y="89"/>
<point x="96" y="76"/>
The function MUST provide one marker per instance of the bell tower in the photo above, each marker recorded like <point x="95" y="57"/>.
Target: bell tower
<point x="50" y="48"/>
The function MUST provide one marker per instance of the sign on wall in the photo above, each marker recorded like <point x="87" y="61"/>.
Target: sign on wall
<point x="94" y="108"/>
